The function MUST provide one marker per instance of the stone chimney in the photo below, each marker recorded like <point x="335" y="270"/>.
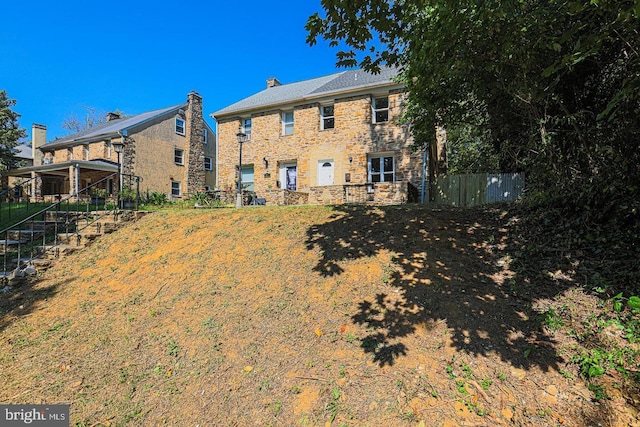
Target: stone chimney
<point x="195" y="148"/>
<point x="112" y="116"/>
<point x="273" y="82"/>
<point x="38" y="139"/>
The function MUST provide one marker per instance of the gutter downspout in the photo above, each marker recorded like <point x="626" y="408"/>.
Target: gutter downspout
<point x="217" y="152"/>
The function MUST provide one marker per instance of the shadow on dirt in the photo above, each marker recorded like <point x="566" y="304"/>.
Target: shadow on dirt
<point x="20" y="300"/>
<point x="444" y="269"/>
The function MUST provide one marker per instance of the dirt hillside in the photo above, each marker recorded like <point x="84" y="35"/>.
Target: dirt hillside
<point x="298" y="316"/>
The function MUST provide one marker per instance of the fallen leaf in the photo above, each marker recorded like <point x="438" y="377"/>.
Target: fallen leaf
<point x="169" y="372"/>
<point x="318" y="332"/>
<point x="343" y="328"/>
<point x="248" y="368"/>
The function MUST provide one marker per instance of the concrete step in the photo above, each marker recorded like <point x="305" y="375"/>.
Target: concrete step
<point x="42" y="225"/>
<point x="37" y="262"/>
<point x="11" y="244"/>
<point x="22" y="235"/>
<point x="78" y="239"/>
<point x="54" y="251"/>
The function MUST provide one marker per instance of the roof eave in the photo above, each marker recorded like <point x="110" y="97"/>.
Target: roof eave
<point x="125" y="131"/>
<point x="87" y="164"/>
<point x="312" y="97"/>
<point x="79" y="141"/>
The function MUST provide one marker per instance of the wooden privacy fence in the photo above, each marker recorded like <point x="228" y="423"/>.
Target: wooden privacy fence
<point x="478" y="189"/>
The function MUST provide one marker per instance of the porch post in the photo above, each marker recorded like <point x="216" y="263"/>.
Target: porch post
<point x="72" y="180"/>
<point x="34" y="187"/>
<point x="76" y="171"/>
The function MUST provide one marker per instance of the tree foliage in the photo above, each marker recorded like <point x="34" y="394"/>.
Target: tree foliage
<point x="10" y="131"/>
<point x="556" y="84"/>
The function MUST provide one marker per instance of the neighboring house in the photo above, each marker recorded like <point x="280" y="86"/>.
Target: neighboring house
<point x="332" y="139"/>
<point x="23" y="154"/>
<point x="171" y="150"/>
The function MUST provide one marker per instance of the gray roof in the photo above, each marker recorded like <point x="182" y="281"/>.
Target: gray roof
<point x="112" y="127"/>
<point x="23" y="151"/>
<point x="345" y="81"/>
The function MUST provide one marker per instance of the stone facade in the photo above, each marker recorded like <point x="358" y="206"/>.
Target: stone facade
<point x="150" y="152"/>
<point x="195" y="153"/>
<point x="348" y="148"/>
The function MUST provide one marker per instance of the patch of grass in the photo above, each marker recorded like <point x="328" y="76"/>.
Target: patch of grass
<point x="173" y="349"/>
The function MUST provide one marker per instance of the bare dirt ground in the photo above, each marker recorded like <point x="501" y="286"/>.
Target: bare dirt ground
<point x="301" y="316"/>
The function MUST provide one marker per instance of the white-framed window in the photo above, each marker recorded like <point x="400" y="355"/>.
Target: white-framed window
<point x="382" y="168"/>
<point x="246" y="127"/>
<point x="109" y="146"/>
<point x="287" y="122"/>
<point x="176" y="189"/>
<point x="205" y="136"/>
<point x="180" y="126"/>
<point x="380" y="107"/>
<point x="327" y="117"/>
<point x="178" y="156"/>
<point x="247" y="177"/>
<point x="208" y="163"/>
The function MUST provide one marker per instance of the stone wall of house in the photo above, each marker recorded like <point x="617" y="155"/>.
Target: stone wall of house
<point x="347" y="145"/>
<point x="149" y="152"/>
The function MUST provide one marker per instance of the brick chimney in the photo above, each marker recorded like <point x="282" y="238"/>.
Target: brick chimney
<point x="38" y="139"/>
<point x="272" y="82"/>
<point x="112" y="116"/>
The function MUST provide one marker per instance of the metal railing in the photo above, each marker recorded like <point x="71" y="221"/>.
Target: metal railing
<point x="16" y="201"/>
<point x="59" y="225"/>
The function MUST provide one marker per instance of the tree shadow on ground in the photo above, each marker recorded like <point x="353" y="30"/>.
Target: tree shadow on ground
<point x="20" y="300"/>
<point x="444" y="269"/>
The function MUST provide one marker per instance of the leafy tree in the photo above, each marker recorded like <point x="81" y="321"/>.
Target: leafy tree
<point x="10" y="132"/>
<point x="556" y="84"/>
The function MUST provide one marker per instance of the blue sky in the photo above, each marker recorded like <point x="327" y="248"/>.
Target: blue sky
<point x="137" y="56"/>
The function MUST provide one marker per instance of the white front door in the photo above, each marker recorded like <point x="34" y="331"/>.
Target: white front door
<point x="325" y="172"/>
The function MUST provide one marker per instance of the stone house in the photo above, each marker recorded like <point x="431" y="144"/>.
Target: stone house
<point x="329" y="140"/>
<point x="171" y="150"/>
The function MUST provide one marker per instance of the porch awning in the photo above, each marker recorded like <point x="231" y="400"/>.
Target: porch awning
<point x="62" y="168"/>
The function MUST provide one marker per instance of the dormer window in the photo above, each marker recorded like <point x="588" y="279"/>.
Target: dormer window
<point x="180" y="126"/>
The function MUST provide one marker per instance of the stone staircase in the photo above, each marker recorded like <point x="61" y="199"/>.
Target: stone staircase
<point x="37" y="244"/>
